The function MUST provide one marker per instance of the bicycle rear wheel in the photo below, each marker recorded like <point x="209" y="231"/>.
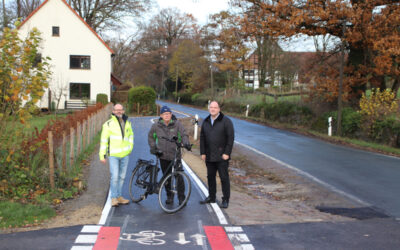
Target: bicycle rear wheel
<point x="174" y="192"/>
<point x="138" y="183"/>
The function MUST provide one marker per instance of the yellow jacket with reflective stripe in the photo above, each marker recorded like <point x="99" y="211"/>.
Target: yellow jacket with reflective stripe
<point x="113" y="142"/>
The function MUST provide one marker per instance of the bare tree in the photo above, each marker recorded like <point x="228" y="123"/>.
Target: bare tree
<point x="59" y="90"/>
<point x="99" y="14"/>
<point x="5" y="14"/>
<point x="124" y="51"/>
<point x="168" y="26"/>
<point x="107" y="14"/>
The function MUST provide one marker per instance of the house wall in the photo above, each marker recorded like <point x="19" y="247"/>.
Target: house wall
<point x="75" y="39"/>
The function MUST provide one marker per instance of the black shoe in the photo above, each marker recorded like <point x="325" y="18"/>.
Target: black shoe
<point x="181" y="200"/>
<point x="169" y="200"/>
<point x="224" y="204"/>
<point x="207" y="200"/>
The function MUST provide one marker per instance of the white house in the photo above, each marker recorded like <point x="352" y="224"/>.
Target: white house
<point x="80" y="60"/>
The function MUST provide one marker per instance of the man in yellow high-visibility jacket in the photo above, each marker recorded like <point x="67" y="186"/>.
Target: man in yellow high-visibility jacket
<point x="116" y="144"/>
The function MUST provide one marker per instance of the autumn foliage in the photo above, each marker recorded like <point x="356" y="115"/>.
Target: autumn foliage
<point x="23" y="74"/>
<point x="368" y="29"/>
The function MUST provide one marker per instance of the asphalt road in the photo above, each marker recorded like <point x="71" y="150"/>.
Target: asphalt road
<point x="168" y="230"/>
<point x="146" y="226"/>
<point x="371" y="179"/>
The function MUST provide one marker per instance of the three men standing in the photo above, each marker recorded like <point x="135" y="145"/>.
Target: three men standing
<point x="116" y="144"/>
<point x="216" y="142"/>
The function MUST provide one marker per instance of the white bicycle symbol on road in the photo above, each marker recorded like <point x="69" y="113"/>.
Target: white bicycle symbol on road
<point x="145" y="237"/>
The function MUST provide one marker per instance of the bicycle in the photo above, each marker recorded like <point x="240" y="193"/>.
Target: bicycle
<point x="143" y="181"/>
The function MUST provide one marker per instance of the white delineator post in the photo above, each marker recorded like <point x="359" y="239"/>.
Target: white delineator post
<point x="208" y="106"/>
<point x="247" y="110"/>
<point x="330" y="126"/>
<point x="196" y="126"/>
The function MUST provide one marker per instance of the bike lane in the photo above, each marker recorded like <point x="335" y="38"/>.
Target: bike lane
<point x="145" y="225"/>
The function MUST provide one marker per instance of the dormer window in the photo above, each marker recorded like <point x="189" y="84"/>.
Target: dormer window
<point x="56" y="31"/>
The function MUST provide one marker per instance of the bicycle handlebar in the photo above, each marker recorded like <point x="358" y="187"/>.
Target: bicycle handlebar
<point x="178" y="144"/>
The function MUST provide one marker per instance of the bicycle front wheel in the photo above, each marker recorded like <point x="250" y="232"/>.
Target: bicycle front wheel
<point x="174" y="192"/>
<point x="139" y="183"/>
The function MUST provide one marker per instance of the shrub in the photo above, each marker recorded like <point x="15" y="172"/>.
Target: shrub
<point x="283" y="112"/>
<point x="102" y="98"/>
<point x="185" y="97"/>
<point x="200" y="99"/>
<point x="145" y="97"/>
<point x="351" y="122"/>
<point x="233" y="106"/>
<point x="387" y="131"/>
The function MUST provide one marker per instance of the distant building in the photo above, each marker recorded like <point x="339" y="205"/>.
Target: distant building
<point x="80" y="60"/>
<point x="293" y="69"/>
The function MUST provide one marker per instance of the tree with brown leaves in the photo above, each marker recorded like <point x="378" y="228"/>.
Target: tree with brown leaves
<point x="368" y="28"/>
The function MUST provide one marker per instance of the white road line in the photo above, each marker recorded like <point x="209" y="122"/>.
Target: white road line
<point x="81" y="247"/>
<point x="238" y="237"/>
<point x="301" y="172"/>
<point x="106" y="210"/>
<point x="233" y="229"/>
<point x="181" y="113"/>
<point x="86" y="238"/>
<point x="246" y="247"/>
<point x="91" y="229"/>
<point x="217" y="210"/>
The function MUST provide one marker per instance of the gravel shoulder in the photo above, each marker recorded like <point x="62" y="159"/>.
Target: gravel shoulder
<point x="265" y="192"/>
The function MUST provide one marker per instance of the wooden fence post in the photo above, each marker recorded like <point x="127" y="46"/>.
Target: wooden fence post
<point x="88" y="131"/>
<point x="84" y="135"/>
<point x="64" y="152"/>
<point x="78" y="139"/>
<point x="71" y="150"/>
<point x="51" y="159"/>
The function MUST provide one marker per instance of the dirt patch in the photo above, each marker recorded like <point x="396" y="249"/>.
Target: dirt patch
<point x="264" y="191"/>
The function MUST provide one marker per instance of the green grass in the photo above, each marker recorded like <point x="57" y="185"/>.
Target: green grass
<point x="41" y="121"/>
<point x="36" y="121"/>
<point x="13" y="214"/>
<point x="292" y="98"/>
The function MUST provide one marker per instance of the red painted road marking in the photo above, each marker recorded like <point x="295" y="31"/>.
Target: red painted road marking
<point x="107" y="238"/>
<point x="217" y="237"/>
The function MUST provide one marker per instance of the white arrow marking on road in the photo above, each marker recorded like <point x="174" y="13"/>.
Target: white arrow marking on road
<point x="199" y="239"/>
<point x="182" y="240"/>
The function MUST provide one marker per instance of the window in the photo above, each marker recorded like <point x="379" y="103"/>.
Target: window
<point x="56" y="31"/>
<point x="79" y="62"/>
<point x="249" y="84"/>
<point x="79" y="90"/>
<point x="37" y="60"/>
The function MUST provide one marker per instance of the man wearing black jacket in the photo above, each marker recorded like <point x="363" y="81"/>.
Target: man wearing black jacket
<point x="216" y="142"/>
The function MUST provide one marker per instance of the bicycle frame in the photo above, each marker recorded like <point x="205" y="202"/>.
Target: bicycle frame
<point x="154" y="184"/>
<point x="173" y="183"/>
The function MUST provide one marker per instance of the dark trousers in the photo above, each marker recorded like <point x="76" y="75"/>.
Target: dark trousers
<point x="181" y="185"/>
<point x="222" y="168"/>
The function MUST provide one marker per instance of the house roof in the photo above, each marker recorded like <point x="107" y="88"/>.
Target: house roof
<point x="115" y="81"/>
<point x="87" y="25"/>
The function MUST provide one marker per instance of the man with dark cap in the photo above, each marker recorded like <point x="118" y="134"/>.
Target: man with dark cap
<point x="167" y="127"/>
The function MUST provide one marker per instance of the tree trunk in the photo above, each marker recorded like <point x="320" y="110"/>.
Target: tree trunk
<point x="5" y="20"/>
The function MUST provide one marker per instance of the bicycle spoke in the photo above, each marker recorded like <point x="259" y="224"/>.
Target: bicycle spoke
<point x="174" y="192"/>
<point x="138" y="183"/>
